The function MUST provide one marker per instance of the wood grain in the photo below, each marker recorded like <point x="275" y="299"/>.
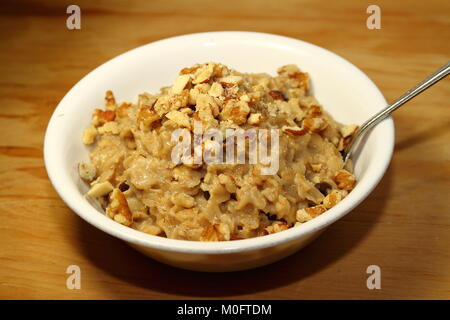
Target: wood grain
<point x="403" y="226"/>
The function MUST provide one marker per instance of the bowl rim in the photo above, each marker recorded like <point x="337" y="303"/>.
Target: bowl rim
<point x="92" y="216"/>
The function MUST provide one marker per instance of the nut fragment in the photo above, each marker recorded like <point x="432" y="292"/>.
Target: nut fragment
<point x="216" y="232"/>
<point x="180" y="84"/>
<point x="110" y="100"/>
<point x="190" y="70"/>
<point x="122" y="110"/>
<point x="301" y="78"/>
<point x="146" y="100"/>
<point x="314" y="111"/>
<point x="245" y="98"/>
<point x="277" y="226"/>
<point x="231" y="80"/>
<point x="118" y="208"/>
<point x="349" y="130"/>
<point x="316" y="167"/>
<point x="146" y="116"/>
<point x="207" y="107"/>
<point x="227" y="85"/>
<point x="100" y="117"/>
<point x="254" y="118"/>
<point x="345" y="180"/>
<point x="333" y="198"/>
<point x="277" y="95"/>
<point x="203" y="74"/>
<point x="288" y="69"/>
<point x="89" y="135"/>
<point x="235" y="111"/>
<point x="295" y="131"/>
<point x="179" y="118"/>
<point x="216" y="90"/>
<point x="87" y="171"/>
<point x="315" y="124"/>
<point x="100" y="189"/>
<point x="307" y="214"/>
<point x="111" y="127"/>
<point x="216" y="201"/>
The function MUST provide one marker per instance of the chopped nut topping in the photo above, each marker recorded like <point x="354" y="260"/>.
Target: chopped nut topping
<point x="316" y="167"/>
<point x="110" y="100"/>
<point x="301" y="79"/>
<point x="277" y="95"/>
<point x="333" y="198"/>
<point x="122" y="110"/>
<point x="147" y="116"/>
<point x="190" y="70"/>
<point x="295" y="131"/>
<point x="315" y="125"/>
<point x="118" y="208"/>
<point x="277" y="227"/>
<point x="231" y="80"/>
<point x="89" y="135"/>
<point x="87" y="171"/>
<point x="100" y="189"/>
<point x="307" y="214"/>
<point x="236" y="111"/>
<point x="180" y="84"/>
<point x="109" y="128"/>
<point x="349" y="130"/>
<point x="227" y="84"/>
<point x="345" y="180"/>
<point x="216" y="232"/>
<point x="314" y="111"/>
<point x="254" y="118"/>
<point x="203" y="74"/>
<point x="180" y="118"/>
<point x="216" y="90"/>
<point x="100" y="117"/>
<point x="134" y="178"/>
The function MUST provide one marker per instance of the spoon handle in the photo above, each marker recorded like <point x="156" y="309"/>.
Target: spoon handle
<point x="411" y="93"/>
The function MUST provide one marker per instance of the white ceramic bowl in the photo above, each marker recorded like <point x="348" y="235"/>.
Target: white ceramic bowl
<point x="347" y="93"/>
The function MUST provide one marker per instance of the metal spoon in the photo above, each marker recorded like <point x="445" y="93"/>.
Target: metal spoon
<point x="376" y="119"/>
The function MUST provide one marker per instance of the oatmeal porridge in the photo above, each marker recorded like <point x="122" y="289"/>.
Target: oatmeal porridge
<point x="132" y="174"/>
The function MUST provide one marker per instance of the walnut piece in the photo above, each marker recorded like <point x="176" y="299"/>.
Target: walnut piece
<point x="254" y="118"/>
<point x="307" y="214"/>
<point x="180" y="118"/>
<point x="295" y="131"/>
<point x="315" y="125"/>
<point x="236" y="111"/>
<point x="345" y="180"/>
<point x="118" y="208"/>
<point x="180" y="83"/>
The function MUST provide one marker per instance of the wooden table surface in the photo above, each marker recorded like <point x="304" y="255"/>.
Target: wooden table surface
<point x="403" y="226"/>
